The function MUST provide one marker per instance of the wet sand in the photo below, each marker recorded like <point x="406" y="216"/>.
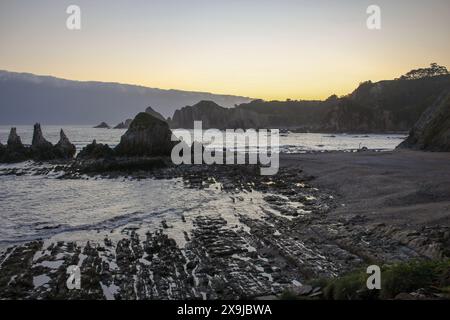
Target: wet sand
<point x="401" y="187"/>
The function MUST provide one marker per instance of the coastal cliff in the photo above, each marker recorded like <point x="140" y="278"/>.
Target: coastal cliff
<point x="214" y="116"/>
<point x="432" y="131"/>
<point x="385" y="106"/>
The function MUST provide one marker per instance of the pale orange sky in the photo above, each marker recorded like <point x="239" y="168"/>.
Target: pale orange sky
<point x="262" y="49"/>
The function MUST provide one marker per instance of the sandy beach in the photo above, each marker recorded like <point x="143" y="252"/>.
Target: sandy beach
<point x="401" y="186"/>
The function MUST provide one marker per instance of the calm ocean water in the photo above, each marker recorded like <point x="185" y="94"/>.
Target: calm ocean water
<point x="33" y="206"/>
<point x="290" y="142"/>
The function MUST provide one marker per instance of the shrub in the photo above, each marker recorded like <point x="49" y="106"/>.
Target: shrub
<point x="397" y="278"/>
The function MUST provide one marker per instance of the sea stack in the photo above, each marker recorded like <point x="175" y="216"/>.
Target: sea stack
<point x="15" y="151"/>
<point x="102" y="125"/>
<point x="41" y="149"/>
<point x="14" y="140"/>
<point x="147" y="136"/>
<point x="64" y="149"/>
<point x="432" y="130"/>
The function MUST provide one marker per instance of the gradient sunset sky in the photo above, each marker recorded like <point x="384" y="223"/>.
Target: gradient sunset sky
<point x="263" y="49"/>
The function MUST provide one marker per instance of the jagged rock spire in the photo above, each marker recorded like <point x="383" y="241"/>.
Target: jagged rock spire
<point x="41" y="149"/>
<point x="64" y="148"/>
<point x="62" y="136"/>
<point x="13" y="139"/>
<point x="38" y="138"/>
<point x="15" y="151"/>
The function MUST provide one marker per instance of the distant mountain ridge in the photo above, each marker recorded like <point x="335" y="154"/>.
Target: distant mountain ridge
<point x="26" y="98"/>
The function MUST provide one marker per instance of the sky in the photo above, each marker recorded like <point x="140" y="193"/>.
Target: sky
<point x="278" y="49"/>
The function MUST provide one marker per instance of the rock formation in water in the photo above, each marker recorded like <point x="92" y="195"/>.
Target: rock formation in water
<point x="2" y="150"/>
<point x="15" y="151"/>
<point x="154" y="113"/>
<point x="124" y="125"/>
<point x="432" y="131"/>
<point x="102" y="125"/>
<point x="64" y="149"/>
<point x="41" y="149"/>
<point x="147" y="136"/>
<point x="96" y="151"/>
<point x="14" y="141"/>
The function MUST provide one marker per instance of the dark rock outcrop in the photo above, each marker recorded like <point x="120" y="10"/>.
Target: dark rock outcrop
<point x="96" y="151"/>
<point x="14" y="151"/>
<point x="64" y="149"/>
<point x="432" y="131"/>
<point x="14" y="141"/>
<point x="147" y="136"/>
<point x="102" y="125"/>
<point x="41" y="149"/>
<point x="2" y="150"/>
<point x="214" y="116"/>
<point x="124" y="125"/>
<point x="154" y="113"/>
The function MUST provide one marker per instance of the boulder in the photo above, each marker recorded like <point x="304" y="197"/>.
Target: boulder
<point x="96" y="151"/>
<point x="146" y="136"/>
<point x="64" y="149"/>
<point x="41" y="149"/>
<point x="303" y="290"/>
<point x="432" y="131"/>
<point x="102" y="125"/>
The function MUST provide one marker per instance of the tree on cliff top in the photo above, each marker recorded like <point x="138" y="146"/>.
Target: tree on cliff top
<point x="433" y="71"/>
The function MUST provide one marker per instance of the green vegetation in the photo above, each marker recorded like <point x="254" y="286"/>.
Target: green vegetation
<point x="433" y="71"/>
<point x="406" y="277"/>
<point x="398" y="278"/>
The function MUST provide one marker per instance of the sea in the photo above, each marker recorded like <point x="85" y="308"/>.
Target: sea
<point x="45" y="207"/>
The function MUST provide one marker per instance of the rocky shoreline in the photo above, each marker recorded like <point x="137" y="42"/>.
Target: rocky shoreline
<point x="296" y="239"/>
